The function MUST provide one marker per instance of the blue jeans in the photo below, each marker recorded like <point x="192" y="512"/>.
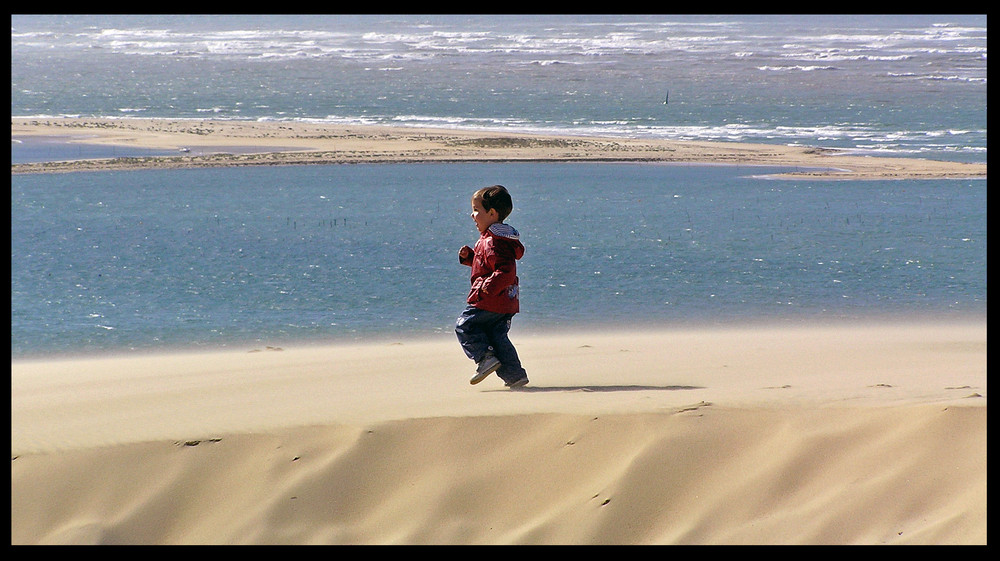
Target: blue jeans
<point x="481" y="333"/>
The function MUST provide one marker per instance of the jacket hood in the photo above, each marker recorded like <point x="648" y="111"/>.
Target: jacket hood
<point x="508" y="233"/>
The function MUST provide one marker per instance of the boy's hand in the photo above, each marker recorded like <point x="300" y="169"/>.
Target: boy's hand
<point x="465" y="255"/>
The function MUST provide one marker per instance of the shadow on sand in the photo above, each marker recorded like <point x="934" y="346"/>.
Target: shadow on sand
<point x="615" y="388"/>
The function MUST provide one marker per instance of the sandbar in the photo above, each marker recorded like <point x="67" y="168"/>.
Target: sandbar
<point x="230" y="143"/>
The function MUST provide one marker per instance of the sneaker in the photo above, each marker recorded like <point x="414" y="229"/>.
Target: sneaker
<point x="484" y="368"/>
<point x="519" y="383"/>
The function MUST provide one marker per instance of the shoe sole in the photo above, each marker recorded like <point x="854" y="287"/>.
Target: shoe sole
<point x="480" y="376"/>
<point x="518" y="384"/>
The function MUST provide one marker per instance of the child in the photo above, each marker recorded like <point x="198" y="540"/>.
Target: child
<point x="493" y="299"/>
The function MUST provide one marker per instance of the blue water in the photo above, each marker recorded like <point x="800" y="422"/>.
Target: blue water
<point x="217" y="257"/>
<point x="891" y="85"/>
<point x="117" y="261"/>
<point x="28" y="149"/>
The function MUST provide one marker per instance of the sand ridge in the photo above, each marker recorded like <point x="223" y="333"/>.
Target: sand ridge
<point x="808" y="434"/>
<point x="209" y="143"/>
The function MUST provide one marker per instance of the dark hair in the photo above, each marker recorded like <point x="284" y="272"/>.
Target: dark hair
<point x="495" y="197"/>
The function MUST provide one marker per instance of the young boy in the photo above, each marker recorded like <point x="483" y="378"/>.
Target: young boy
<point x="493" y="299"/>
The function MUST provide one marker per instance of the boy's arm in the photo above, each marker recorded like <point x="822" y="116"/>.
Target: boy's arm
<point x="465" y="256"/>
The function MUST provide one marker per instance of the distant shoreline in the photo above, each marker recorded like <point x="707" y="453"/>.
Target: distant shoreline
<point x="224" y="143"/>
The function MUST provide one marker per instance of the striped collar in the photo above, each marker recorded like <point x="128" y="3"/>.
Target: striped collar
<point x="504" y="230"/>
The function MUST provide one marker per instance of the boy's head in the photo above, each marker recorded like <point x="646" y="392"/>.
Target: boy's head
<point x="496" y="198"/>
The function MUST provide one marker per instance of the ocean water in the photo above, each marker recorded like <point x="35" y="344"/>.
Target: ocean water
<point x="892" y="85"/>
<point x="244" y="257"/>
<point x="107" y="261"/>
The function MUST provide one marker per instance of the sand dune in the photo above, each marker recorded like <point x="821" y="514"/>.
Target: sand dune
<point x="862" y="434"/>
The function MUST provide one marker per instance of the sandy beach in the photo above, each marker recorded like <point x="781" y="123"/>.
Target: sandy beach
<point x="862" y="433"/>
<point x="753" y="292"/>
<point x="243" y="143"/>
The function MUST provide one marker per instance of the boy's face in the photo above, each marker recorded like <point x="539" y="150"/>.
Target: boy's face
<point x="483" y="218"/>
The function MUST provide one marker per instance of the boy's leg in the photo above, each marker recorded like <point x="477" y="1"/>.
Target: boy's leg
<point x="510" y="369"/>
<point x="471" y="328"/>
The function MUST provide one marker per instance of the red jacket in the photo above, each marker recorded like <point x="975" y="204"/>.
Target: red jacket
<point x="494" y="270"/>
